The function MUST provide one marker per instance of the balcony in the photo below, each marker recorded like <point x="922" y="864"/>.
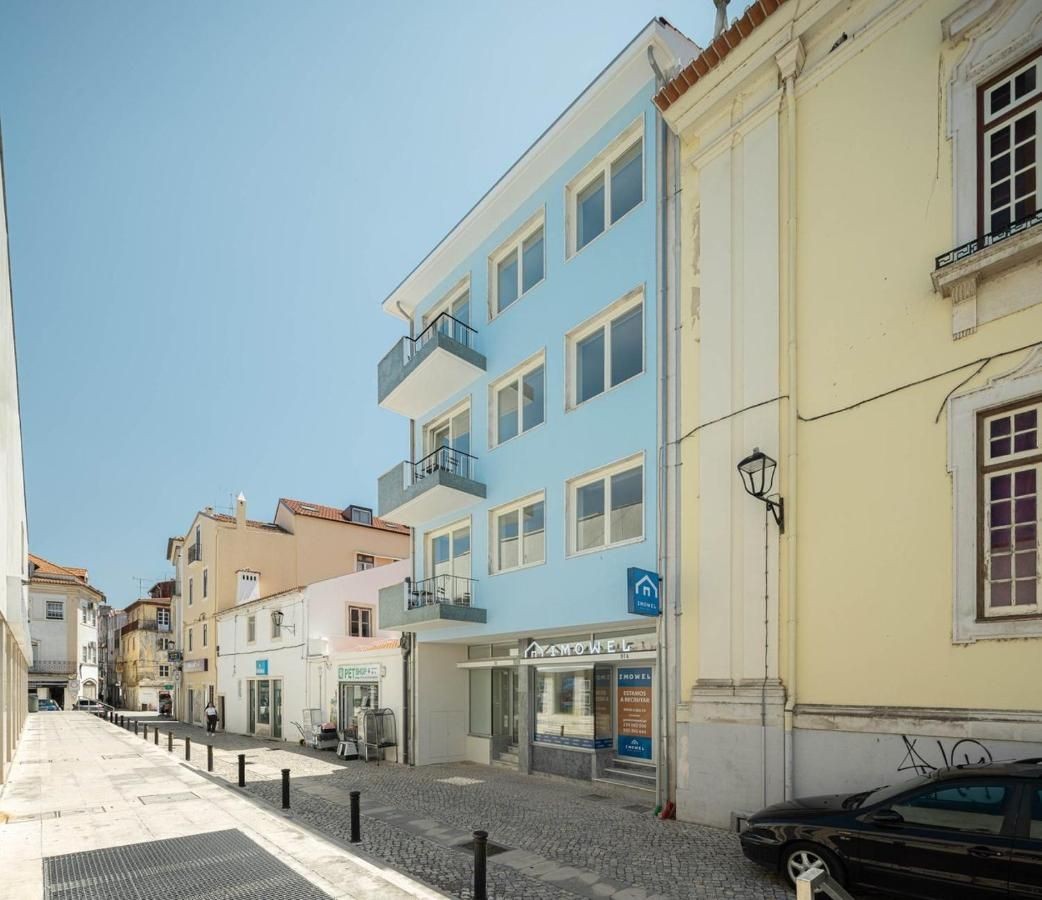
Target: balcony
<point x="423" y="371"/>
<point x="441" y="483"/>
<point x="146" y="625"/>
<point x="435" y="602"/>
<point x="53" y="667"/>
<point x="195" y="554"/>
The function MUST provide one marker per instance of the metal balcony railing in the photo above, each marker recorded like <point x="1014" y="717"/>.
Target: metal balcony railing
<point x="444" y="459"/>
<point x="445" y="324"/>
<point x="453" y="590"/>
<point x="53" y="667"/>
<point x="146" y="625"/>
<point x="195" y="553"/>
<point x="987" y="240"/>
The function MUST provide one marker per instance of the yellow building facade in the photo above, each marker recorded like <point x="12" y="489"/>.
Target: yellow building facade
<point x="861" y="300"/>
<point x="223" y="560"/>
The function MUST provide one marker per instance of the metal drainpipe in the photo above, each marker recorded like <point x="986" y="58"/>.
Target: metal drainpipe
<point x="791" y="506"/>
<point x="408" y="661"/>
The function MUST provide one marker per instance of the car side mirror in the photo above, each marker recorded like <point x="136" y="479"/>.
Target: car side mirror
<point x="887" y="818"/>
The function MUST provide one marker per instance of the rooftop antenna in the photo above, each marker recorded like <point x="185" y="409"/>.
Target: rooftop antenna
<point x="142" y="581"/>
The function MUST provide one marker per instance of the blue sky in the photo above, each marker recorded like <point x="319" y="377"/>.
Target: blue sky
<point x="207" y="203"/>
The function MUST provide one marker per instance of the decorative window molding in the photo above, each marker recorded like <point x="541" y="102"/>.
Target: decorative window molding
<point x="517" y="401"/>
<point x="517" y="266"/>
<point x="517" y="534"/>
<point x="606" y="190"/>
<point x="605" y="508"/>
<point x="601" y="352"/>
<point x="973" y="608"/>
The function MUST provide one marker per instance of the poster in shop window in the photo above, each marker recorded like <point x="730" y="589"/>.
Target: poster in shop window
<point x="633" y="702"/>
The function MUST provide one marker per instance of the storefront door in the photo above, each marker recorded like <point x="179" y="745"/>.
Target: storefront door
<point x="265" y="717"/>
<point x="504" y="709"/>
<point x="353" y="697"/>
<point x="634" y="710"/>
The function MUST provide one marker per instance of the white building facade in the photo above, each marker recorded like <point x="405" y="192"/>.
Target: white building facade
<point x="313" y="647"/>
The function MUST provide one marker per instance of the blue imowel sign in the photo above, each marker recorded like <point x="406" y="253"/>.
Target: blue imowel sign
<point x="643" y="594"/>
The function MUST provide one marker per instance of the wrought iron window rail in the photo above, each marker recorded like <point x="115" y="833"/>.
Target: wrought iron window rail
<point x="453" y="590"/>
<point x="195" y="553"/>
<point x="990" y="239"/>
<point x="444" y="459"/>
<point x="445" y="324"/>
<point x="53" y="667"/>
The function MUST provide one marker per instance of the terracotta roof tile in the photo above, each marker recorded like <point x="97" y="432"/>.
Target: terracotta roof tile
<point x="333" y="514"/>
<point x="383" y="645"/>
<point x="46" y="567"/>
<point x="253" y="523"/>
<point x="715" y="53"/>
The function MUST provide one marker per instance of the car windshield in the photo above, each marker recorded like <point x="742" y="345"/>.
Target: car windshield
<point x="881" y="795"/>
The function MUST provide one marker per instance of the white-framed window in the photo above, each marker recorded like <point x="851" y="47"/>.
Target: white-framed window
<point x="360" y="515"/>
<point x="517" y="401"/>
<point x="164" y="671"/>
<point x="83" y="614"/>
<point x="448" y="551"/>
<point x="55" y="609"/>
<point x="360" y="621"/>
<point x="251" y="629"/>
<point x="517" y="266"/>
<point x="607" y="189"/>
<point x="364" y="562"/>
<point x="449" y="430"/>
<point x="606" y="507"/>
<point x="1009" y="107"/>
<point x="1011" y="478"/>
<point x="517" y="534"/>
<point x="163" y="619"/>
<point x="606" y="350"/>
<point x="456" y="303"/>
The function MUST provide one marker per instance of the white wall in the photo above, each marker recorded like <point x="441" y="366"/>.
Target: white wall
<point x="441" y="703"/>
<point x="52" y="634"/>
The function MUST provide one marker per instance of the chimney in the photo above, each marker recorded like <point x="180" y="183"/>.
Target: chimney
<point x="240" y="509"/>
<point x="721" y="17"/>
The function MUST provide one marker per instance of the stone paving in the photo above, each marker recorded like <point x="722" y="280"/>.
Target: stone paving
<point x="565" y="839"/>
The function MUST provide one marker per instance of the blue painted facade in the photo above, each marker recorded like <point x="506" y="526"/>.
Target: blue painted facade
<point x="564" y="593"/>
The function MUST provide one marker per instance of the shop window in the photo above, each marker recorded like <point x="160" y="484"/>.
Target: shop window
<point x="564" y="706"/>
<point x="481" y="702"/>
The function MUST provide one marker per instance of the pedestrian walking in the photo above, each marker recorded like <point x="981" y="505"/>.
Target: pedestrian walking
<point x="211" y="718"/>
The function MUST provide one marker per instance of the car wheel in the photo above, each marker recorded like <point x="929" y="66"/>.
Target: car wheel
<point x="804" y="856"/>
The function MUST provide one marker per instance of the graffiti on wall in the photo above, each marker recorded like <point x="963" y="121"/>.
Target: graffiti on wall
<point x="924" y="759"/>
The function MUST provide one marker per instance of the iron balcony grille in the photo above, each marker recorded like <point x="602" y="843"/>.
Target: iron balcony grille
<point x="195" y="553"/>
<point x="53" y="667"/>
<point x="444" y="459"/>
<point x="445" y="324"/>
<point x="147" y="625"/>
<point x="982" y="243"/>
<point x="452" y="590"/>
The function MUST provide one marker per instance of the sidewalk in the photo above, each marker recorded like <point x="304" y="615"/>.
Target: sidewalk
<point x="91" y="811"/>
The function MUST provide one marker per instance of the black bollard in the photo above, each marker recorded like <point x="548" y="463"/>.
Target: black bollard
<point x="356" y="819"/>
<point x="242" y="770"/>
<point x="155" y="735"/>
<point x="188" y="749"/>
<point x="135" y="726"/>
<point x="480" y="851"/>
<point x="145" y="735"/>
<point x="209" y="757"/>
<point x="170" y="742"/>
<point x="285" y="788"/>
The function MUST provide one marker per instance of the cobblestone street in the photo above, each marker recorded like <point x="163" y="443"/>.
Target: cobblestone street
<point x="562" y="839"/>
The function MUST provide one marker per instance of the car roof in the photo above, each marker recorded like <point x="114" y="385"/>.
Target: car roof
<point x="1004" y="768"/>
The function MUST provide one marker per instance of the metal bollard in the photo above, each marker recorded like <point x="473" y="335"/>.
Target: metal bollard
<point x="135" y="726"/>
<point x="188" y="749"/>
<point x="170" y="742"/>
<point x="356" y="819"/>
<point x="145" y="735"/>
<point x="209" y="757"/>
<point x="480" y="856"/>
<point x="285" y="788"/>
<point x="242" y="770"/>
<point x="155" y="735"/>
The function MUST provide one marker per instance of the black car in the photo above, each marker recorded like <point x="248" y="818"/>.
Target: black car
<point x="963" y="833"/>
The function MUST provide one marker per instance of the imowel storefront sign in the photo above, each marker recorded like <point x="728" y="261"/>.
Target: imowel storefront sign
<point x="634" y="707"/>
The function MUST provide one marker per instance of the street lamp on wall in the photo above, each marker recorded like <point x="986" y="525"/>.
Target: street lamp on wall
<point x="757" y="471"/>
<point x="276" y="619"/>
